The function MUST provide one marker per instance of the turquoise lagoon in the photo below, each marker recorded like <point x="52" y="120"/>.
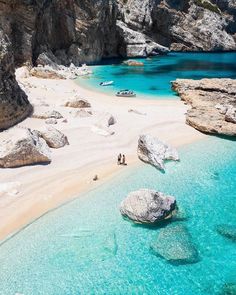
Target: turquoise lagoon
<point x="153" y="79"/>
<point x="86" y="247"/>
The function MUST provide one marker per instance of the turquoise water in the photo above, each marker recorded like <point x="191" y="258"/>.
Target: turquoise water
<point x="153" y="79"/>
<point x="85" y="247"/>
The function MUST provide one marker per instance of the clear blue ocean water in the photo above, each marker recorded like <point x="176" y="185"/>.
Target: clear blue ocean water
<point x="153" y="79"/>
<point x="86" y="247"/>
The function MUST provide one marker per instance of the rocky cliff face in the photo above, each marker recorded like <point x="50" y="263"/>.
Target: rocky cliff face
<point x="14" y="105"/>
<point x="86" y="30"/>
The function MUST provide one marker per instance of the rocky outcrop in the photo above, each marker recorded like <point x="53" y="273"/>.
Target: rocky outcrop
<point x="53" y="137"/>
<point x="46" y="113"/>
<point x="174" y="244"/>
<point x="14" y="105"/>
<point x="137" y="44"/>
<point x="186" y="25"/>
<point x="133" y="63"/>
<point x="155" y="152"/>
<point x="77" y="102"/>
<point x="148" y="206"/>
<point x="212" y="104"/>
<point x="20" y="147"/>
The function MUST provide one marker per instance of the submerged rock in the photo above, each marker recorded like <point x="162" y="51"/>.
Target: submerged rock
<point x="153" y="151"/>
<point x="53" y="137"/>
<point x="19" y="147"/>
<point x="148" y="206"/>
<point x="229" y="289"/>
<point x="213" y="104"/>
<point x="227" y="231"/>
<point x="174" y="244"/>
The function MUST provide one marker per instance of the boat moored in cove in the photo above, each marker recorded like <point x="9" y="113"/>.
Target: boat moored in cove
<point x="125" y="93"/>
<point x="106" y="83"/>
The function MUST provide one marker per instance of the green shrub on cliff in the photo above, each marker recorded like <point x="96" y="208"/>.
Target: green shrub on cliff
<point x="208" y="5"/>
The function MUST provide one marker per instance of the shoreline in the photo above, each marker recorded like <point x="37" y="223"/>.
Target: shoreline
<point x="44" y="188"/>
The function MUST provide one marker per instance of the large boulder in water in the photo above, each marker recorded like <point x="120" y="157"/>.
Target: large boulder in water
<point x="227" y="231"/>
<point x="148" y="206"/>
<point x="174" y="243"/>
<point x="153" y="151"/>
<point x="19" y="147"/>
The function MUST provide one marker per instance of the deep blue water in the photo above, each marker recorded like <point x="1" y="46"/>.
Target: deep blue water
<point x="86" y="247"/>
<point x="153" y="79"/>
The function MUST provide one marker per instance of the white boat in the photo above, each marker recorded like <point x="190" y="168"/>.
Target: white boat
<point x="106" y="83"/>
<point x="125" y="93"/>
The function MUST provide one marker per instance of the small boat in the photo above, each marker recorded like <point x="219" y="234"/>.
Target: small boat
<point x="125" y="93"/>
<point x="106" y="83"/>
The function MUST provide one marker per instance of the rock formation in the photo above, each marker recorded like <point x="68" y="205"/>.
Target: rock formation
<point x="153" y="151"/>
<point x="14" y="105"/>
<point x="77" y="102"/>
<point x="64" y="32"/>
<point x="46" y="113"/>
<point x="174" y="244"/>
<point x="20" y="147"/>
<point x="53" y="137"/>
<point x="148" y="206"/>
<point x="213" y="104"/>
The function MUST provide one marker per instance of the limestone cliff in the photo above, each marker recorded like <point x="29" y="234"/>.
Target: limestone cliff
<point x="86" y="30"/>
<point x="14" y="105"/>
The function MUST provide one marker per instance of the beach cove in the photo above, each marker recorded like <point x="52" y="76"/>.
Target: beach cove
<point x="86" y="229"/>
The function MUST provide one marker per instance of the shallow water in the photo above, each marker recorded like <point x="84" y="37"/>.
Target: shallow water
<point x="86" y="247"/>
<point x="153" y="79"/>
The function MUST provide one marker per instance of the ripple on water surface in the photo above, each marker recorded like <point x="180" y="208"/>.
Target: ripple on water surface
<point x="85" y="247"/>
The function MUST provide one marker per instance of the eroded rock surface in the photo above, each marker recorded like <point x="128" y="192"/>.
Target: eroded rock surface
<point x="155" y="152"/>
<point x="213" y="104"/>
<point x="20" y="147"/>
<point x="53" y="137"/>
<point x="77" y="102"/>
<point x="148" y="206"/>
<point x="14" y="105"/>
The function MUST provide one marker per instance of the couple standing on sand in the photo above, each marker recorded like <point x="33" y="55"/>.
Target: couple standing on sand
<point x="121" y="160"/>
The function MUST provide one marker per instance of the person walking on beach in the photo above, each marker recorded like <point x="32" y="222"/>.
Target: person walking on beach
<point x="123" y="160"/>
<point x="119" y="159"/>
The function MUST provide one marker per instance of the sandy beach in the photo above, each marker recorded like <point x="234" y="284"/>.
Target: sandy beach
<point x="40" y="188"/>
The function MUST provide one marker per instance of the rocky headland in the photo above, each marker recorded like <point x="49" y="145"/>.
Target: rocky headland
<point x="212" y="104"/>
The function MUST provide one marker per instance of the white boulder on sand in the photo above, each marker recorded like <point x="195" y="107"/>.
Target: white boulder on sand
<point x="148" y="206"/>
<point x="19" y="147"/>
<point x="53" y="137"/>
<point x="105" y="120"/>
<point x="153" y="151"/>
<point x="77" y="102"/>
<point x="46" y="113"/>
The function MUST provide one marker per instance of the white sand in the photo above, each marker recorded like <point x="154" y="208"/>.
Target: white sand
<point x="73" y="167"/>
